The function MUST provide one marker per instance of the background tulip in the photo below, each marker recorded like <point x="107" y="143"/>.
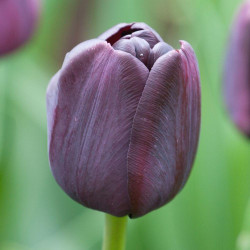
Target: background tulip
<point x="123" y="120"/>
<point x="236" y="75"/>
<point x="18" y="19"/>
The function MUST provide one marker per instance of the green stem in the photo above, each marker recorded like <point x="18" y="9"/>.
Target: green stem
<point x="114" y="233"/>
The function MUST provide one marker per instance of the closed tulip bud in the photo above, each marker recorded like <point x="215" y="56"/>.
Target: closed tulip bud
<point x="123" y="120"/>
<point x="18" y="19"/>
<point x="237" y="71"/>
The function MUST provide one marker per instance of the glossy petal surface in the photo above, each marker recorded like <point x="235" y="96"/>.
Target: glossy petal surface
<point x="93" y="102"/>
<point x="18" y="19"/>
<point x="237" y="74"/>
<point x="165" y="131"/>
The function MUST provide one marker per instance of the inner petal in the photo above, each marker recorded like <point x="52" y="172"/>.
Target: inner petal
<point x="138" y="40"/>
<point x="124" y="31"/>
<point x="142" y="49"/>
<point x="135" y="46"/>
<point x="146" y="35"/>
<point x="159" y="50"/>
<point x="125" y="45"/>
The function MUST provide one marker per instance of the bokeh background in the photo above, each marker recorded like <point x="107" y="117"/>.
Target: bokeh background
<point x="212" y="210"/>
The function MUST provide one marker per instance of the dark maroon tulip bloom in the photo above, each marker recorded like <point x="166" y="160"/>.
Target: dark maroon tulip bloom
<point x="123" y="120"/>
<point x="18" y="19"/>
<point x="237" y="71"/>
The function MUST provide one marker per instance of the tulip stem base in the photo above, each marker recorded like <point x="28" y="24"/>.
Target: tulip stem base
<point x="114" y="233"/>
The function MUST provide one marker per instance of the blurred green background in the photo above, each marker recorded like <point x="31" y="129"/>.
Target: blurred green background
<point x="35" y="214"/>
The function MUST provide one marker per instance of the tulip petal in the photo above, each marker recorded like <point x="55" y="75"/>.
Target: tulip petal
<point x="135" y="46"/>
<point x="142" y="49"/>
<point x="165" y="131"/>
<point x="159" y="50"/>
<point x="125" y="45"/>
<point x="147" y="36"/>
<point x="115" y="33"/>
<point x="52" y="98"/>
<point x="143" y="26"/>
<point x="98" y="90"/>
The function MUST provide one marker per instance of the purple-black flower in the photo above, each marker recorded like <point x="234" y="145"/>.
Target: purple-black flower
<point x="18" y="19"/>
<point x="237" y="71"/>
<point x="123" y="120"/>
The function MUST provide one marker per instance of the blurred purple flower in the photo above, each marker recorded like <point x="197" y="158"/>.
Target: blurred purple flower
<point x="18" y="19"/>
<point x="123" y="120"/>
<point x="237" y="71"/>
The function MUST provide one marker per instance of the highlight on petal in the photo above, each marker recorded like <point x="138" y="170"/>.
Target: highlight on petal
<point x="236" y="86"/>
<point x="97" y="93"/>
<point x="52" y="98"/>
<point x="165" y="131"/>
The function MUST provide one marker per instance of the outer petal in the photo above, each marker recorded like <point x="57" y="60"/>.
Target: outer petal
<point x="18" y="19"/>
<point x="52" y="100"/>
<point x="236" y="75"/>
<point x="93" y="106"/>
<point x="165" y="131"/>
<point x="115" y="33"/>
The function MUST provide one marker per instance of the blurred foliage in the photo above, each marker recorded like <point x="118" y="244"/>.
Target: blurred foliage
<point x="36" y="214"/>
<point x="244" y="237"/>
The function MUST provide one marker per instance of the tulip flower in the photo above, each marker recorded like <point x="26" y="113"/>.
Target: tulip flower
<point x="123" y="120"/>
<point x="237" y="71"/>
<point x="18" y="19"/>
